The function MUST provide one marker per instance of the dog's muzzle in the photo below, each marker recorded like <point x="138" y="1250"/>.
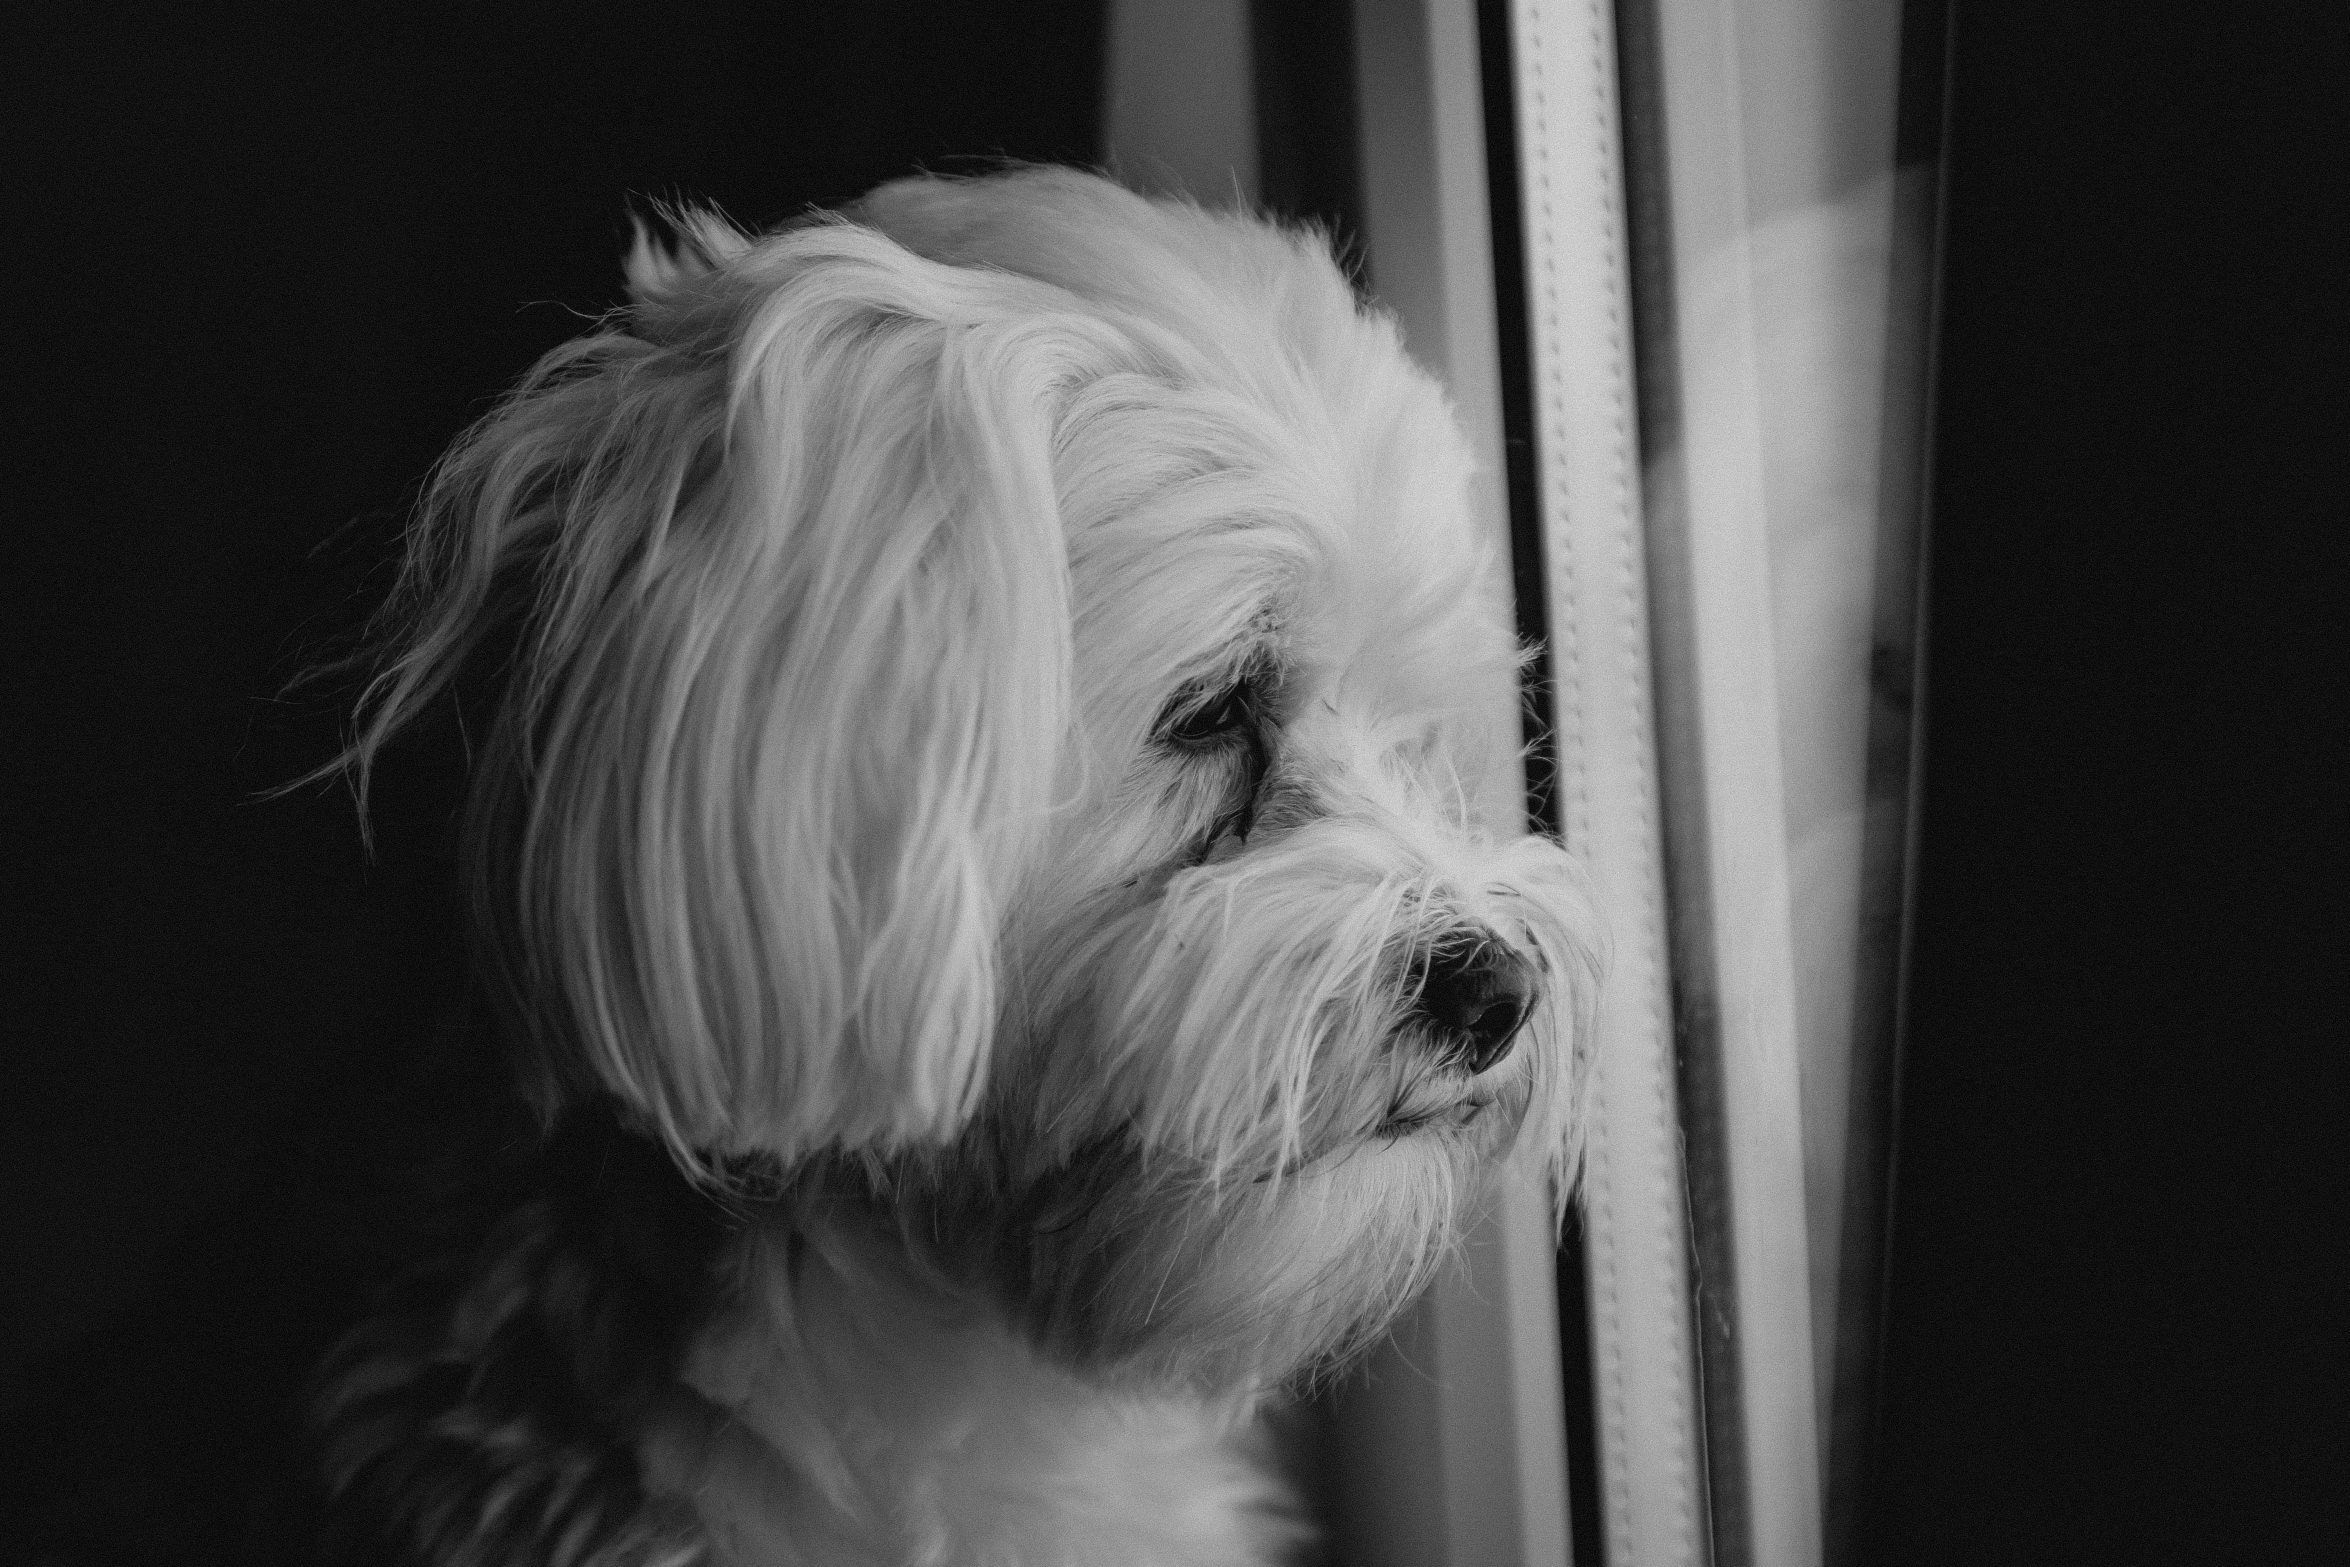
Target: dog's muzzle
<point x="1475" y="995"/>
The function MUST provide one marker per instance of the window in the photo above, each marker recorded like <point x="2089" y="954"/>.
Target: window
<point x="1675" y="262"/>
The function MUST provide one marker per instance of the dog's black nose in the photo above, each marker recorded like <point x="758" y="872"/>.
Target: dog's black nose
<point x="1475" y="997"/>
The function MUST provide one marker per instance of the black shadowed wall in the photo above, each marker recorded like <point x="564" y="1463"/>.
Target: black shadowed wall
<point x="281" y="255"/>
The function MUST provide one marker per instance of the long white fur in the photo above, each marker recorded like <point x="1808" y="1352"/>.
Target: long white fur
<point x="827" y="825"/>
<point x="850" y="1412"/>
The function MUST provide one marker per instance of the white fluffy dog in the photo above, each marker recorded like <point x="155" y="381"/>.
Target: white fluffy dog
<point x="982" y="778"/>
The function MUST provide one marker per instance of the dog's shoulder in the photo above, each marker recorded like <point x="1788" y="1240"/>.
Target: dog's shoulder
<point x="485" y="1413"/>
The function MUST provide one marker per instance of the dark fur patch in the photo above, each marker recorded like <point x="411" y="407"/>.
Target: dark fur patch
<point x="487" y="1413"/>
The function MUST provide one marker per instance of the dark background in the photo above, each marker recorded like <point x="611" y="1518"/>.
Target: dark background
<point x="273" y="258"/>
<point x="279" y="256"/>
<point x="2112" y="1321"/>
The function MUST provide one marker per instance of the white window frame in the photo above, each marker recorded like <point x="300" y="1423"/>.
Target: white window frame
<point x="1493" y="1325"/>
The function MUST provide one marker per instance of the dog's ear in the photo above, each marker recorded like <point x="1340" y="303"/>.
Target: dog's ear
<point x="788" y="702"/>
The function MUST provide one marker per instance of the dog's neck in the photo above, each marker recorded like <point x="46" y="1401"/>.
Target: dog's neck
<point x="846" y="1409"/>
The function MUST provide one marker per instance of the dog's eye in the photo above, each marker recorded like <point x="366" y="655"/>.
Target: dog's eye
<point x="1196" y="720"/>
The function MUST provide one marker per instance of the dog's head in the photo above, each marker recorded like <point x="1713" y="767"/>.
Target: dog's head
<point x="995" y="707"/>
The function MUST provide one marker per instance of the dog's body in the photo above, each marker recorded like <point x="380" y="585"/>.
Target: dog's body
<point x="980" y="782"/>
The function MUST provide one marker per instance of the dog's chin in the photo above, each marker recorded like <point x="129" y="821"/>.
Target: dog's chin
<point x="1142" y="1268"/>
